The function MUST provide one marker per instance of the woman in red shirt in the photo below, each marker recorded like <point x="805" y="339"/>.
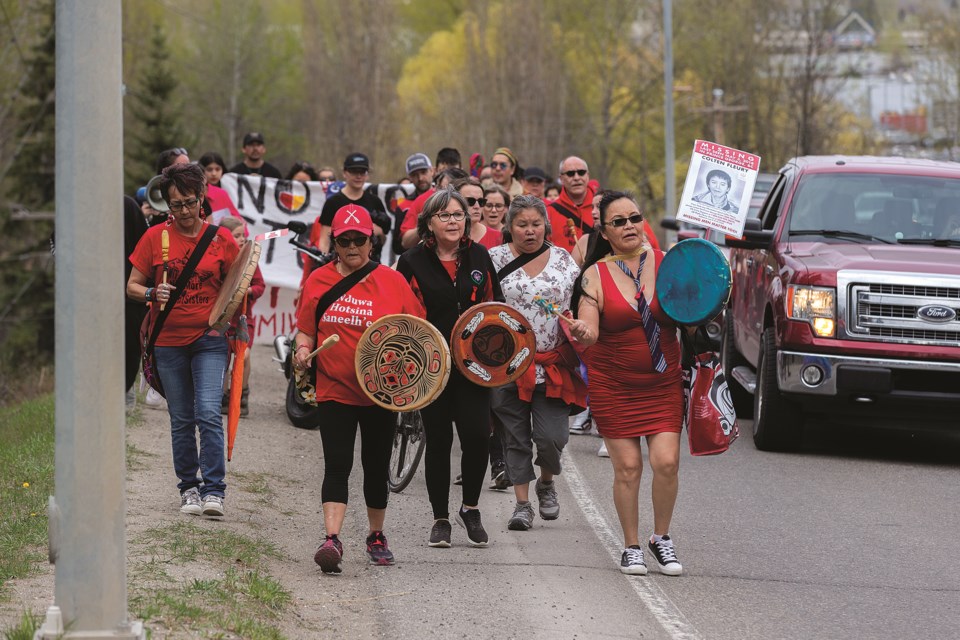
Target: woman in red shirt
<point x="382" y="292"/>
<point x="190" y="361"/>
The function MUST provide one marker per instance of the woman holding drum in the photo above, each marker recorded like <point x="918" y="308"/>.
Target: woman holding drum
<point x="364" y="291"/>
<point x="190" y="362"/>
<point x="532" y="271"/>
<point x="451" y="273"/>
<point x="633" y="365"/>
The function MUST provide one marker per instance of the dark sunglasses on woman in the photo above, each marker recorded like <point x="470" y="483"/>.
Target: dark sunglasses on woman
<point x="346" y="242"/>
<point x="622" y="222"/>
<point x="472" y="201"/>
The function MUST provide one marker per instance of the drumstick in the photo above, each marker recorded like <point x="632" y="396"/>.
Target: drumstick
<point x="326" y="344"/>
<point x="165" y="253"/>
<point x="550" y="308"/>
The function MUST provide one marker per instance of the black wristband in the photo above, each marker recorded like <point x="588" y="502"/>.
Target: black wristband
<point x="148" y="295"/>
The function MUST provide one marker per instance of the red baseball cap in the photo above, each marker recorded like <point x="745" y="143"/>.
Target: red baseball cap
<point x="352" y="217"/>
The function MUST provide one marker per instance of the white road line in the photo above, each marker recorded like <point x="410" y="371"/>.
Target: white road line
<point x="666" y="613"/>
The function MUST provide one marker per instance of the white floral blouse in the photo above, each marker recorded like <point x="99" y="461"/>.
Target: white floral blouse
<point x="554" y="283"/>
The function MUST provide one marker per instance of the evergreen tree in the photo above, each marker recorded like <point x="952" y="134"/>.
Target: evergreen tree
<point x="32" y="171"/>
<point x="155" y="110"/>
<point x="26" y="270"/>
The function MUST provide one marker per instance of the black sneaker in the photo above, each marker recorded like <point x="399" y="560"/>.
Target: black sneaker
<point x="666" y="556"/>
<point x="377" y="549"/>
<point x="631" y="562"/>
<point x="498" y="477"/>
<point x="329" y="555"/>
<point x="440" y="533"/>
<point x="470" y="520"/>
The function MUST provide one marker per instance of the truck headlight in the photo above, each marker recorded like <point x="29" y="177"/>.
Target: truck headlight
<point x="816" y="305"/>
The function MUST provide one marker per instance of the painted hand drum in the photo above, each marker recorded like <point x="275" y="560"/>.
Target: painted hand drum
<point x="492" y="344"/>
<point x="693" y="282"/>
<point x="235" y="286"/>
<point x="402" y="362"/>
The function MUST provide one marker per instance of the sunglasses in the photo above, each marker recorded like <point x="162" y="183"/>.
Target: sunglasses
<point x="186" y="204"/>
<point x="499" y="165"/>
<point x="472" y="201"/>
<point x="327" y="178"/>
<point x="622" y="222"/>
<point x="575" y="172"/>
<point x="358" y="241"/>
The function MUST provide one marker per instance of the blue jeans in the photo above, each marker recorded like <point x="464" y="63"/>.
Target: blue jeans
<point x="192" y="378"/>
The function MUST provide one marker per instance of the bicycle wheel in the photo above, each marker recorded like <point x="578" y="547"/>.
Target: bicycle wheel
<point x="408" y="443"/>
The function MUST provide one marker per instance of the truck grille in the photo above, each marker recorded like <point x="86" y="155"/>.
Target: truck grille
<point x="889" y="312"/>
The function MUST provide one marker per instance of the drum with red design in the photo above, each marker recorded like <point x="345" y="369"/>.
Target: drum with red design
<point x="492" y="344"/>
<point x="402" y="362"/>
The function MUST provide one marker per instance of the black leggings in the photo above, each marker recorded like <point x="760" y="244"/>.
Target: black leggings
<point x="469" y="406"/>
<point x="338" y="431"/>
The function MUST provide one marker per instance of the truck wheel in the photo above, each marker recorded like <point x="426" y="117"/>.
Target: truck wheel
<point x="730" y="358"/>
<point x="777" y="422"/>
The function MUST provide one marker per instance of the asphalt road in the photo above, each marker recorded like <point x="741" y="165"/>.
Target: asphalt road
<point x="856" y="536"/>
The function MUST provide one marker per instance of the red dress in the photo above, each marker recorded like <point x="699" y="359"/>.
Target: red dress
<point x="628" y="398"/>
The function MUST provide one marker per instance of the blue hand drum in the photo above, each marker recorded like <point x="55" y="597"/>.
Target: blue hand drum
<point x="693" y="282"/>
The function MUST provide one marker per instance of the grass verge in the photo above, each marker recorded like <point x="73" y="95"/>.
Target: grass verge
<point x="26" y="480"/>
<point x="227" y="588"/>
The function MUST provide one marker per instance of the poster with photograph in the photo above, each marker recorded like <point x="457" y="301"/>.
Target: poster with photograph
<point x="719" y="186"/>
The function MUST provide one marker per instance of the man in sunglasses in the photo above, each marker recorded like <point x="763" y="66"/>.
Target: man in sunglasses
<point x="571" y="214"/>
<point x="447" y="158"/>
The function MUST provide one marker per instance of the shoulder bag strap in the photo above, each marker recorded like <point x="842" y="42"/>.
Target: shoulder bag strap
<point x="521" y="260"/>
<point x="337" y="290"/>
<point x="188" y="270"/>
<point x="566" y="213"/>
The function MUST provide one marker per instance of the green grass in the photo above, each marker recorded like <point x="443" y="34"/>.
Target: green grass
<point x="28" y="625"/>
<point x="26" y="480"/>
<point x="242" y="599"/>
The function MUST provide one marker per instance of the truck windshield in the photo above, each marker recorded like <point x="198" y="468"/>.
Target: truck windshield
<point x="849" y="207"/>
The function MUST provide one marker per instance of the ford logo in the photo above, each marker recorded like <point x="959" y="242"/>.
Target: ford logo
<point x="936" y="313"/>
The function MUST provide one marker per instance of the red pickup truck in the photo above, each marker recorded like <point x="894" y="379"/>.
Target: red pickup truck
<point x="846" y="298"/>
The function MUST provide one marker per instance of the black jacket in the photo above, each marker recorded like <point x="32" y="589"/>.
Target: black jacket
<point x="444" y="299"/>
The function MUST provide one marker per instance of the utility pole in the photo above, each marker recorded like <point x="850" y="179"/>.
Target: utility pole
<point x="718" y="109"/>
<point x="670" y="180"/>
<point x="87" y="536"/>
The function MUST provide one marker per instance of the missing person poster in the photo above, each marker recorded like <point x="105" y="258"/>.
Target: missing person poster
<point x="719" y="186"/>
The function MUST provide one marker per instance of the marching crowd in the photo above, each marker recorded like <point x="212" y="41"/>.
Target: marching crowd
<point x="607" y="355"/>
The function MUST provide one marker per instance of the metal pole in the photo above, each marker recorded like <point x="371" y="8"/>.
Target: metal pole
<point x="87" y="538"/>
<point x="670" y="207"/>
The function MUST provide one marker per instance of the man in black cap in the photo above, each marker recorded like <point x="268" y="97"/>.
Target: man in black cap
<point x="356" y="171"/>
<point x="533" y="181"/>
<point x="253" y="162"/>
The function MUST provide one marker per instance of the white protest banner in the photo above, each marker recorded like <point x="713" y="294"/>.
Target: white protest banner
<point x="269" y="204"/>
<point x="719" y="186"/>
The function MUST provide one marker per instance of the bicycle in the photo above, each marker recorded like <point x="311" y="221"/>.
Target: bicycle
<point x="408" y="443"/>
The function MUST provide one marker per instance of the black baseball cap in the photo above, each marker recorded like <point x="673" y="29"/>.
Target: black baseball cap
<point x="356" y="161"/>
<point x="534" y="173"/>
<point x="252" y="138"/>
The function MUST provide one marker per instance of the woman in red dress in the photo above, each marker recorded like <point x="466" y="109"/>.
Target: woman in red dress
<point x="634" y="380"/>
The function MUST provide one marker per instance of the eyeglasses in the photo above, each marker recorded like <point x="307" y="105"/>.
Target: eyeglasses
<point x="445" y="216"/>
<point x="357" y="241"/>
<point x="186" y="204"/>
<point x="622" y="222"/>
<point x="499" y="165"/>
<point x="496" y="206"/>
<point x="575" y="172"/>
<point x="472" y="201"/>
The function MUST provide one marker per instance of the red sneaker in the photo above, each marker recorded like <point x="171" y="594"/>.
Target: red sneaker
<point x="377" y="549"/>
<point x="329" y="555"/>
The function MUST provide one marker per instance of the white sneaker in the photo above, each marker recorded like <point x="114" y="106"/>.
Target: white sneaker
<point x="603" y="453"/>
<point x="581" y="424"/>
<point x="190" y="502"/>
<point x="213" y="506"/>
<point x="153" y="399"/>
